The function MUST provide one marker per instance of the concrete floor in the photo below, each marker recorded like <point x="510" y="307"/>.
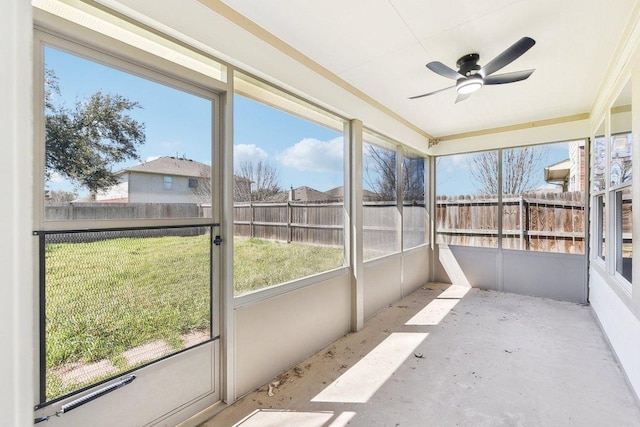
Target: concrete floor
<point x="449" y="356"/>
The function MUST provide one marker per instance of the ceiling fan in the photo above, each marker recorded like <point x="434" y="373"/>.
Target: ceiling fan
<point x="470" y="76"/>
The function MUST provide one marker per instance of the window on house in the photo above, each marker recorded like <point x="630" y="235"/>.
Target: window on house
<point x="193" y="183"/>
<point x="623" y="222"/>
<point x="288" y="188"/>
<point x="414" y="208"/>
<point x="598" y="187"/>
<point x="621" y="159"/>
<point x="620" y="187"/>
<point x="543" y="197"/>
<point x="601" y="225"/>
<point x="467" y="199"/>
<point x="621" y="182"/>
<point x="381" y="218"/>
<point x="168" y="183"/>
<point x="598" y="164"/>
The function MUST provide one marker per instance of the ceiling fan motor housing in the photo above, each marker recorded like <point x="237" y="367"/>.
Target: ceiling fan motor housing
<point x="468" y="64"/>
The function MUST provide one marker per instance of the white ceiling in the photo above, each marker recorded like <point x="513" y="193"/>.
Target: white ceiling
<point x="381" y="47"/>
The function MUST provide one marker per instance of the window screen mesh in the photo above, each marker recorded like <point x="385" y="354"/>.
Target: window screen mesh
<point x="115" y="300"/>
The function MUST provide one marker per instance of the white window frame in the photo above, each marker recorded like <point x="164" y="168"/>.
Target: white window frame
<point x="263" y="92"/>
<point x="104" y="50"/>
<point x="133" y="61"/>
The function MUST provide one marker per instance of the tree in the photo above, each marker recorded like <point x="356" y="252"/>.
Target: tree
<point x="521" y="170"/>
<point x="380" y="171"/>
<point x="83" y="143"/>
<point x="380" y="174"/>
<point x="255" y="182"/>
<point x="413" y="179"/>
<point x="621" y="164"/>
<point x="60" y="196"/>
<point x="251" y="182"/>
<point x="201" y="186"/>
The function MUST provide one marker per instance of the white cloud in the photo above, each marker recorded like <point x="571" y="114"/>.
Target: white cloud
<point x="312" y="155"/>
<point x="462" y="161"/>
<point x="247" y="153"/>
<point x="151" y="158"/>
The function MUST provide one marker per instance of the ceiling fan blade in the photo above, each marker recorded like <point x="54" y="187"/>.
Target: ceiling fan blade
<point x="508" y="56"/>
<point x="516" y="76"/>
<point x="463" y="96"/>
<point x="439" y="68"/>
<point x="431" y="93"/>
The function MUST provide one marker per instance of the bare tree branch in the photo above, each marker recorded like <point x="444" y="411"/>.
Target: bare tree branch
<point x="380" y="174"/>
<point x="256" y="181"/>
<point x="521" y="169"/>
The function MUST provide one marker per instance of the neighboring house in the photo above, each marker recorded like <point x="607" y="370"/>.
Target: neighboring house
<point x="308" y="194"/>
<point x="558" y="174"/>
<point x="163" y="180"/>
<point x="301" y="194"/>
<point x="338" y="194"/>
<point x="569" y="173"/>
<point x="167" y="180"/>
<point x="576" y="166"/>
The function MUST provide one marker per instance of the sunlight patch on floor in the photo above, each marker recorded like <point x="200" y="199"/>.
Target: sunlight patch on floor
<point x="433" y="313"/>
<point x="343" y="419"/>
<point x="455" y="291"/>
<point x="362" y="380"/>
<point x="275" y="418"/>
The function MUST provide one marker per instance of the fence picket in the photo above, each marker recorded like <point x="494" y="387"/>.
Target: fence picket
<point x="535" y="221"/>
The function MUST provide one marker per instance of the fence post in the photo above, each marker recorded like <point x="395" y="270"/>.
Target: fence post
<point x="573" y="223"/>
<point x="522" y="224"/>
<point x="251" y="219"/>
<point x="527" y="223"/>
<point x="289" y="215"/>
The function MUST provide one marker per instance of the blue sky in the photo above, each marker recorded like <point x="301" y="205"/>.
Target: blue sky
<point x="179" y="123"/>
<point x="304" y="153"/>
<point x="453" y="175"/>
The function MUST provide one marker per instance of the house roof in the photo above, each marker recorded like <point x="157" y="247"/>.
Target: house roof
<point x="302" y="194"/>
<point x="557" y="172"/>
<point x="172" y="166"/>
<point x="338" y="194"/>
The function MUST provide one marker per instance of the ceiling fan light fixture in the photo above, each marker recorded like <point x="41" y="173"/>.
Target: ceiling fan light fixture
<point x="469" y="85"/>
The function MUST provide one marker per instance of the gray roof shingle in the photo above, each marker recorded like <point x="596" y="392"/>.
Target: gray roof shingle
<point x="173" y="166"/>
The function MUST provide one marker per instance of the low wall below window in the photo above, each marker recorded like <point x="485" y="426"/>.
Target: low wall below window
<point x="542" y="274"/>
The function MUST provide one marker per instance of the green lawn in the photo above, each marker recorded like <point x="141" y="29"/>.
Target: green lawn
<point x="261" y="263"/>
<point x="105" y="297"/>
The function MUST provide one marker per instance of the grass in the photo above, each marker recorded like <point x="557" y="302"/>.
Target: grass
<point x="105" y="297"/>
<point x="262" y="263"/>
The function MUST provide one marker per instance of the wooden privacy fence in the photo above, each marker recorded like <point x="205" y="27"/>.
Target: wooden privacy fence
<point x="100" y="211"/>
<point x="550" y="222"/>
<point x="301" y="222"/>
<point x="323" y="223"/>
<point x="320" y="223"/>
